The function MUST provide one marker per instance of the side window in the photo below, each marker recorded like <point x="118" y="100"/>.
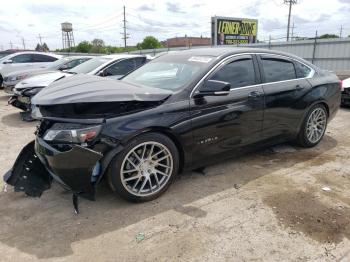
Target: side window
<point x="24" y="58"/>
<point x="139" y="61"/>
<point x="276" y="69"/>
<point x="238" y="73"/>
<point x="120" y="68"/>
<point x="43" y="58"/>
<point x="302" y="70"/>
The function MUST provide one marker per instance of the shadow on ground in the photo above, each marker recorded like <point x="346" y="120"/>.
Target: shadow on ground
<point x="14" y="120"/>
<point x="47" y="227"/>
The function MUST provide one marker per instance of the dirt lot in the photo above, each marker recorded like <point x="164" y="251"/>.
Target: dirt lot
<point x="266" y="206"/>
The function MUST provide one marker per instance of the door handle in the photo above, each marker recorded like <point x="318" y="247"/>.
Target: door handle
<point x="254" y="94"/>
<point x="299" y="87"/>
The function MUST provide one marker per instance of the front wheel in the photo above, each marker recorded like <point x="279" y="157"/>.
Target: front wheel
<point x="313" y="127"/>
<point x="145" y="168"/>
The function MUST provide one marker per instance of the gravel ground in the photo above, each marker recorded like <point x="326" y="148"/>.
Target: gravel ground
<point x="267" y="206"/>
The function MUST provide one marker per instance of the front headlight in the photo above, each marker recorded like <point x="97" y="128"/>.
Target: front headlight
<point x="32" y="92"/>
<point x="17" y="77"/>
<point x="71" y="133"/>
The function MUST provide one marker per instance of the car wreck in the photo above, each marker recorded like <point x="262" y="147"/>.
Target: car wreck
<point x="177" y="112"/>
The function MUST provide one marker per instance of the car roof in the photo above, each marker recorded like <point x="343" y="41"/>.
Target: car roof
<point x="120" y="56"/>
<point x="34" y="52"/>
<point x="222" y="52"/>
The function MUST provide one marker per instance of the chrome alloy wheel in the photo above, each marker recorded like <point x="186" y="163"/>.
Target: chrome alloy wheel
<point x="146" y="169"/>
<point x="316" y="125"/>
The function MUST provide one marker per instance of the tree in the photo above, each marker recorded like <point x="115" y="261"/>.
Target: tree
<point x="98" y="46"/>
<point x="44" y="47"/>
<point x="149" y="42"/>
<point x="83" y="47"/>
<point x="328" y="36"/>
<point x="38" y="47"/>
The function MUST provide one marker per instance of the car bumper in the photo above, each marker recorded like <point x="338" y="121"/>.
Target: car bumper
<point x="72" y="168"/>
<point x="8" y="89"/>
<point x="21" y="102"/>
<point x="345" y="97"/>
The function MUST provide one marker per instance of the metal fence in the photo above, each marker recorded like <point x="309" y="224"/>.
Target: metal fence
<point x="330" y="54"/>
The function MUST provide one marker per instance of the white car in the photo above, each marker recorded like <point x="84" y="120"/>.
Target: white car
<point x="345" y="94"/>
<point x="62" y="64"/>
<point x="24" y="60"/>
<point x="112" y="66"/>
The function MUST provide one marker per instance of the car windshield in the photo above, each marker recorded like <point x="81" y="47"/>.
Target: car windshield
<point x="57" y="64"/>
<point x="89" y="66"/>
<point x="171" y="72"/>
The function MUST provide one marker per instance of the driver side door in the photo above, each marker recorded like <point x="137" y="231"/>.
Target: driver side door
<point x="222" y="124"/>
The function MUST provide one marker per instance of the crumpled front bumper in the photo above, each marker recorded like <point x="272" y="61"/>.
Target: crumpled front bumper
<point x="21" y="102"/>
<point x="39" y="162"/>
<point x="8" y="88"/>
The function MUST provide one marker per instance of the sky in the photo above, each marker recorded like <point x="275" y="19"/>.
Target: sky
<point x="23" y="20"/>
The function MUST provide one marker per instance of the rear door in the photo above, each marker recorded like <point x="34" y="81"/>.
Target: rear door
<point x="282" y="88"/>
<point x="41" y="60"/>
<point x="223" y="123"/>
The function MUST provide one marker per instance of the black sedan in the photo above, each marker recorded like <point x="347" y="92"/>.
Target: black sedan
<point x="183" y="110"/>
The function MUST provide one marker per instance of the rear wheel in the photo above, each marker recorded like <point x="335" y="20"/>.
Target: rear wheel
<point x="314" y="126"/>
<point x="145" y="168"/>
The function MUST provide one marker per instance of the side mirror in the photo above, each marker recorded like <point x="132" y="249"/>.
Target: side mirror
<point x="214" y="88"/>
<point x="8" y="61"/>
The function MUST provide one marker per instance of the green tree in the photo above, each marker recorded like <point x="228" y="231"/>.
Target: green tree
<point x="98" y="46"/>
<point x="328" y="36"/>
<point x="38" y="47"/>
<point x="83" y="47"/>
<point x="45" y="48"/>
<point x="149" y="42"/>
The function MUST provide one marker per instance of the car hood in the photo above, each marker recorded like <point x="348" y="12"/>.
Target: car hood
<point x="41" y="80"/>
<point x="94" y="89"/>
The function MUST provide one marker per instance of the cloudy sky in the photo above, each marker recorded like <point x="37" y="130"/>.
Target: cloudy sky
<point x="26" y="19"/>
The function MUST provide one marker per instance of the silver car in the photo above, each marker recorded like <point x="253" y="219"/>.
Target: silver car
<point x="65" y="63"/>
<point x="112" y="66"/>
<point x="24" y="60"/>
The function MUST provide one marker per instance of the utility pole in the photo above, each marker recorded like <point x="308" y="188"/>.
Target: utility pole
<point x="41" y="43"/>
<point x="24" y="44"/>
<point x="292" y="37"/>
<point x="341" y="31"/>
<point x="290" y="3"/>
<point x="125" y="35"/>
<point x="11" y="45"/>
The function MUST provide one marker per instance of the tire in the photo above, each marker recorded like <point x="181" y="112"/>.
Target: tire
<point x="308" y="135"/>
<point x="133" y="168"/>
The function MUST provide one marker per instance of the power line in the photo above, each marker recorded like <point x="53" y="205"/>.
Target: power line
<point x="290" y="2"/>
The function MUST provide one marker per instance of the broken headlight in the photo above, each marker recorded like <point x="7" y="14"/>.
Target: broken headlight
<point x="70" y="133"/>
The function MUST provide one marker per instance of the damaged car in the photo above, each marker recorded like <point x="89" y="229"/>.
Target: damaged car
<point x="112" y="66"/>
<point x="183" y="110"/>
<point x="62" y="64"/>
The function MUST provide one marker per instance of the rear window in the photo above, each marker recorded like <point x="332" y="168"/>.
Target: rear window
<point x="276" y="69"/>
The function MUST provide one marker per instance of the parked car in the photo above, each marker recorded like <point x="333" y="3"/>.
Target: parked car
<point x="345" y="95"/>
<point x="8" y="52"/>
<point x="112" y="66"/>
<point x="24" y="60"/>
<point x="183" y="110"/>
<point x="62" y="64"/>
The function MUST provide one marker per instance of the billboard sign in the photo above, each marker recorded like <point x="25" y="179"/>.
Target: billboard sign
<point x="233" y="31"/>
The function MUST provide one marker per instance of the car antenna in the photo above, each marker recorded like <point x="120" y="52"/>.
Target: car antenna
<point x="75" y="203"/>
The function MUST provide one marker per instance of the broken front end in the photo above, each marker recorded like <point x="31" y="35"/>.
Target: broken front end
<point x="68" y="153"/>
